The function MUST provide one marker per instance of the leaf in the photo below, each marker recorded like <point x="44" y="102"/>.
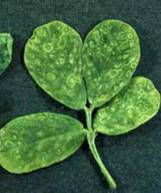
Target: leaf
<point x="133" y="106"/>
<point x="52" y="56"/>
<point x="38" y="140"/>
<point x="111" y="53"/>
<point x="6" y="44"/>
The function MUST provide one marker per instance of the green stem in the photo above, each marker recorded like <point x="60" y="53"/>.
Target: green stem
<point x="88" y="112"/>
<point x="91" y="135"/>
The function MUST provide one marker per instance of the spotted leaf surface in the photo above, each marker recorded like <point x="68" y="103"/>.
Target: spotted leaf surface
<point x="39" y="140"/>
<point x="133" y="106"/>
<point x="52" y="56"/>
<point x="6" y="43"/>
<point x="111" y="53"/>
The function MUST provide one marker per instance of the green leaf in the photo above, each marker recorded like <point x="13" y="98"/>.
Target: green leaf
<point x="133" y="106"/>
<point x="39" y="140"/>
<point x="111" y="53"/>
<point x="6" y="44"/>
<point x="52" y="56"/>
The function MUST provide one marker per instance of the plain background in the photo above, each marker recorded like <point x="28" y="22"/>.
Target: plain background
<point x="134" y="159"/>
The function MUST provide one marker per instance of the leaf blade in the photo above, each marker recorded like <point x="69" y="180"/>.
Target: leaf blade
<point x="132" y="107"/>
<point x="6" y="44"/>
<point x="111" y="48"/>
<point x="52" y="56"/>
<point x="38" y="140"/>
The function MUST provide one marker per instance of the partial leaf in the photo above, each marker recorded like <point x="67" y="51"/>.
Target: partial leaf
<point x="39" y="140"/>
<point x="52" y="56"/>
<point x="6" y="44"/>
<point x="133" y="106"/>
<point x="111" y="53"/>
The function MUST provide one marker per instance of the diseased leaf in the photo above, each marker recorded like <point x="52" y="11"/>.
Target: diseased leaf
<point x="133" y="106"/>
<point x="111" y="53"/>
<point x="52" y="56"/>
<point x="6" y="44"/>
<point x="66" y="69"/>
<point x="39" y="140"/>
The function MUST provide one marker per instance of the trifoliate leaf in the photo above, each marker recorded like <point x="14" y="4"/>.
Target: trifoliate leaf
<point x="111" y="53"/>
<point x="38" y="140"/>
<point x="133" y="106"/>
<point x="52" y="56"/>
